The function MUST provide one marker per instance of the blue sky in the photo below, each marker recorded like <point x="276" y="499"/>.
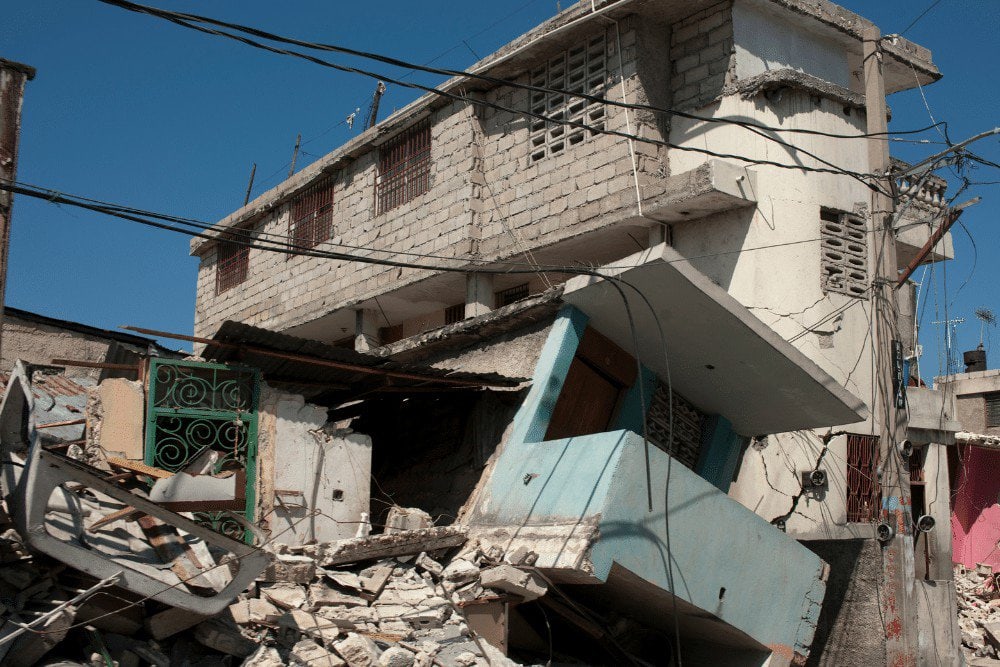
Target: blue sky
<point x="134" y="110"/>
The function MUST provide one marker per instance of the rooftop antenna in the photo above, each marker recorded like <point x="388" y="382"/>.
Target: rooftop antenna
<point x="950" y="333"/>
<point x="373" y="109"/>
<point x="985" y="316"/>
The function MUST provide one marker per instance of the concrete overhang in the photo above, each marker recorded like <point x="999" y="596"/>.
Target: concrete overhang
<point x="910" y="239"/>
<point x="715" y="186"/>
<point x="721" y="357"/>
<point x="931" y="416"/>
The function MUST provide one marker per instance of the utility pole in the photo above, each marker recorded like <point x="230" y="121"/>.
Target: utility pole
<point x="897" y="599"/>
<point x="253" y="172"/>
<point x="373" y="109"/>
<point x="295" y="154"/>
<point x="13" y="77"/>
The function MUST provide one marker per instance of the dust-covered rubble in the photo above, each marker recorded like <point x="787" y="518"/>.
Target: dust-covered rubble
<point x="979" y="613"/>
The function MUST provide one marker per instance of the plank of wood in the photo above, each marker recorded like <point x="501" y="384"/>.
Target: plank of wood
<point x="127" y="514"/>
<point x="138" y="467"/>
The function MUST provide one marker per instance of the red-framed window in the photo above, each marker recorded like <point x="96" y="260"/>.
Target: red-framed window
<point x="404" y="168"/>
<point x="864" y="493"/>
<point x="232" y="264"/>
<point x="311" y="221"/>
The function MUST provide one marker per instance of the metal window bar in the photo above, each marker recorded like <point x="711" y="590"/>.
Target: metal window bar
<point x="505" y="297"/>
<point x="992" y="410"/>
<point x="311" y="221"/>
<point x="864" y="493"/>
<point x="685" y="446"/>
<point x="454" y="314"/>
<point x="844" y="253"/>
<point x="231" y="266"/>
<point x="581" y="69"/>
<point x="404" y="168"/>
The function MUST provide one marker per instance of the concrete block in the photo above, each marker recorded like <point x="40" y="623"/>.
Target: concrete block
<point x="358" y="651"/>
<point x="285" y="596"/>
<point x="296" y="623"/>
<point x="290" y="569"/>
<point x="324" y="596"/>
<point x="461" y="571"/>
<point x="509" y="579"/>
<point x="224" y="637"/>
<point x="309" y="653"/>
<point x="252" y="610"/>
<point x="265" y="656"/>
<point x="428" y="564"/>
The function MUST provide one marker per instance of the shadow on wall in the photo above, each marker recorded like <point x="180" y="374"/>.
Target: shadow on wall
<point x="714" y="245"/>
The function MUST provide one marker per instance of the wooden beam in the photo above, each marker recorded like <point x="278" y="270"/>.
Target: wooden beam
<point x="95" y="364"/>
<point x="70" y="422"/>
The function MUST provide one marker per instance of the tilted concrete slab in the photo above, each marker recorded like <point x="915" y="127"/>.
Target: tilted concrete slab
<point x="931" y="416"/>
<point x="720" y="356"/>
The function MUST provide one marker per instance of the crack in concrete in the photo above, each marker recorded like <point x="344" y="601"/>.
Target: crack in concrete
<point x="781" y="519"/>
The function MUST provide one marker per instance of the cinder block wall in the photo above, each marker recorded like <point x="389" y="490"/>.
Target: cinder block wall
<point x="487" y="197"/>
<point x="701" y="54"/>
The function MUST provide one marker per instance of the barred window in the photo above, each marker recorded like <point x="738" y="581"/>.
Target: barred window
<point x="453" y="314"/>
<point x="581" y="69"/>
<point x="231" y="265"/>
<point x="864" y="493"/>
<point x="404" y="168"/>
<point x="505" y="297"/>
<point x="844" y="253"/>
<point x="311" y="221"/>
<point x="992" y="410"/>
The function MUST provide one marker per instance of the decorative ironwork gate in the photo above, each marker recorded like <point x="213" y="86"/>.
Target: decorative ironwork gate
<point x="196" y="408"/>
<point x="864" y="493"/>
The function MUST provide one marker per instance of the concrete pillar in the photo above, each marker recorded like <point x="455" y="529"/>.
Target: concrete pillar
<point x="478" y="294"/>
<point x="366" y="329"/>
<point x="658" y="234"/>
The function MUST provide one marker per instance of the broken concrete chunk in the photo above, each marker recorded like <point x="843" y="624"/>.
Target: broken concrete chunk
<point x="406" y="518"/>
<point x="324" y="596"/>
<point x="392" y="544"/>
<point x="289" y="568"/>
<point x="169" y="622"/>
<point x="429" y="564"/>
<point x="31" y="646"/>
<point x="345" y="579"/>
<point x="396" y="656"/>
<point x="466" y="659"/>
<point x="252" y="610"/>
<point x="358" y="651"/>
<point x="298" y="623"/>
<point x="224" y="637"/>
<point x="265" y="656"/>
<point x="521" y="555"/>
<point x="309" y="653"/>
<point x="286" y="596"/>
<point x="509" y="579"/>
<point x="460" y="571"/>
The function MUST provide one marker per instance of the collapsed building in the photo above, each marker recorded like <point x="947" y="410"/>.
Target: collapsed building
<point x="487" y="458"/>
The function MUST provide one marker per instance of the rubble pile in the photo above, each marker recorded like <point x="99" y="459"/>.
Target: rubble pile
<point x="979" y="611"/>
<point x="313" y="605"/>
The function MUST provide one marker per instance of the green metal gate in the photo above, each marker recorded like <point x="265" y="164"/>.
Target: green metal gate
<point x="194" y="407"/>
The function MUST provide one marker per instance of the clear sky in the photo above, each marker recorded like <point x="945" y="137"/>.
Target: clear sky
<point x="134" y="110"/>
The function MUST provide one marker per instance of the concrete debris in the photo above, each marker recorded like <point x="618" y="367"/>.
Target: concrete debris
<point x="358" y="651"/>
<point x="978" y="612"/>
<point x="310" y="654"/>
<point x="401" y="519"/>
<point x="289" y="568"/>
<point x="509" y="579"/>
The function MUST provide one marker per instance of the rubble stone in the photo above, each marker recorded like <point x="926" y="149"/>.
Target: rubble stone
<point x="522" y="555"/>
<point x="265" y="656"/>
<point x="286" y="596"/>
<point x="252" y="610"/>
<point x="396" y="656"/>
<point x="461" y="571"/>
<point x="309" y="653"/>
<point x="289" y="568"/>
<point x="429" y="564"/>
<point x="312" y="625"/>
<point x="407" y="518"/>
<point x="510" y="579"/>
<point x="324" y="596"/>
<point x="358" y="651"/>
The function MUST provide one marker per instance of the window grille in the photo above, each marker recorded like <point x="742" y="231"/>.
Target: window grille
<point x="505" y="297"/>
<point x="454" y="313"/>
<point x="581" y="69"/>
<point x="687" y="427"/>
<point x="864" y="494"/>
<point x="404" y="168"/>
<point x="992" y="410"/>
<point x="311" y="221"/>
<point x="844" y="251"/>
<point x="231" y="265"/>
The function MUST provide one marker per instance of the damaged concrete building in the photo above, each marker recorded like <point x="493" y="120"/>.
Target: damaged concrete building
<point x="485" y="450"/>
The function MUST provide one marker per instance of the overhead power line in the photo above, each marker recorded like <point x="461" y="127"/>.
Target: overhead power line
<point x="867" y="179"/>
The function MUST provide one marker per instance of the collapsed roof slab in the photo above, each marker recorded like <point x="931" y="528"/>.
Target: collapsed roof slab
<point x="718" y="355"/>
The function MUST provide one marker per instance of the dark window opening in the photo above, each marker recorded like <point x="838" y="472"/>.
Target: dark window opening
<point x="864" y="493"/>
<point x="687" y="426"/>
<point x="404" y="169"/>
<point x="311" y="220"/>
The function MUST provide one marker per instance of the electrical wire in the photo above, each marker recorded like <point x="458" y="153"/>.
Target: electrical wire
<point x="866" y="179"/>
<point x="388" y="60"/>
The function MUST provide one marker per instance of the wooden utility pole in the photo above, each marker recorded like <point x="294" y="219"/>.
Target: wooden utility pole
<point x="373" y="109"/>
<point x="13" y="77"/>
<point x="295" y="154"/>
<point x="253" y="172"/>
<point x="897" y="599"/>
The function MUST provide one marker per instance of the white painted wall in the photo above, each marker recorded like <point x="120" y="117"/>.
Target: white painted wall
<point x="767" y="41"/>
<point x="319" y="463"/>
